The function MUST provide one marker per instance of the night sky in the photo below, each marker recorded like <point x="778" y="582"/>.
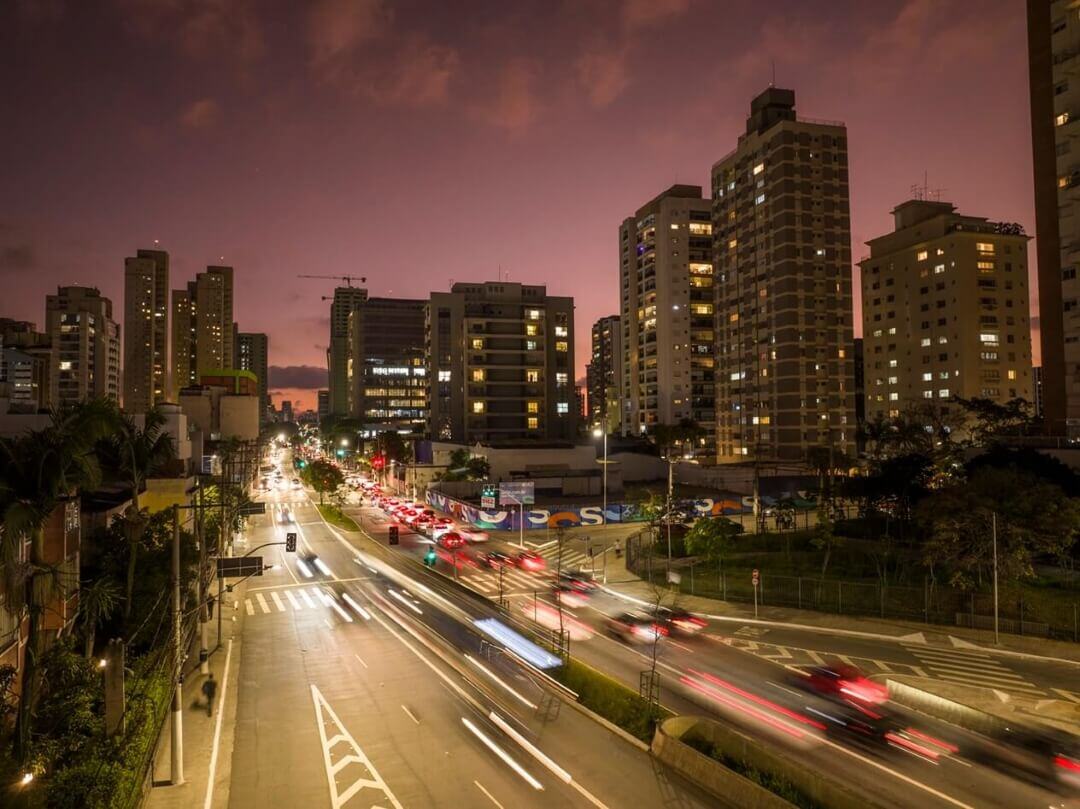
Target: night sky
<point x="416" y="143"/>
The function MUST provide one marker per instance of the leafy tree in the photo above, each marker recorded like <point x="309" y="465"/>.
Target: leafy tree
<point x="712" y="538"/>
<point x="131" y="455"/>
<point x="466" y="466"/>
<point x="669" y="437"/>
<point x="1034" y="519"/>
<point x="323" y="477"/>
<point x="825" y="539"/>
<point x="40" y="471"/>
<point x="990" y="420"/>
<point x="1039" y="464"/>
<point x="98" y="600"/>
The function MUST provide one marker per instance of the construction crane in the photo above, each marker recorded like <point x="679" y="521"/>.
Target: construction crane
<point x="348" y="279"/>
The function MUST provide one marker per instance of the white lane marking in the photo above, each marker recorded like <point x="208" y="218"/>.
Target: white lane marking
<point x="355" y="756"/>
<point x="324" y="568"/>
<point x="296" y="605"/>
<point x="262" y="602"/>
<point x="399" y="597"/>
<point x="307" y="598"/>
<point x="217" y="730"/>
<point x="358" y="657"/>
<point x="499" y="681"/>
<point x="353" y="603"/>
<point x="277" y="601"/>
<point x="815" y="657"/>
<point x="300" y="563"/>
<point x="250" y="607"/>
<point x="507" y="759"/>
<point x="532" y="749"/>
<point x="489" y="795"/>
<point x="410" y="714"/>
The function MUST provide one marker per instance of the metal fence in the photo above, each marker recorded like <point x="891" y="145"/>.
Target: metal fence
<point x="930" y="603"/>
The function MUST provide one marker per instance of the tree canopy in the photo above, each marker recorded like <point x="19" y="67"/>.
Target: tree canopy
<point x="323" y="476"/>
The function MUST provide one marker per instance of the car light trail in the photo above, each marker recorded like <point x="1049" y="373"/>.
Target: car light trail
<point x="352" y="603"/>
<point x="395" y="594"/>
<point x="525" y="649"/>
<point x="300" y="563"/>
<point x="798" y="717"/>
<point x="716" y="695"/>
<point x="492" y="675"/>
<point x="536" y="752"/>
<point x="326" y="571"/>
<point x="509" y="761"/>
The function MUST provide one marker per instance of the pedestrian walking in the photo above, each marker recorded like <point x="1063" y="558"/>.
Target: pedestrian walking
<point x="209" y="689"/>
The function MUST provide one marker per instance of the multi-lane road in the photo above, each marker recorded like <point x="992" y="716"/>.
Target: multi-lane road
<point x="363" y="681"/>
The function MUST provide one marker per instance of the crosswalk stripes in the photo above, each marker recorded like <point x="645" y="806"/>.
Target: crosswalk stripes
<point x="487" y="582"/>
<point x="296" y="605"/>
<point x="312" y="597"/>
<point x="262" y="602"/>
<point x="277" y="602"/>
<point x="971" y="668"/>
<point x="307" y="598"/>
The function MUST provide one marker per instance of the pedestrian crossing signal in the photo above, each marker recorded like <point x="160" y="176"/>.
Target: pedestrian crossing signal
<point x="290" y="542"/>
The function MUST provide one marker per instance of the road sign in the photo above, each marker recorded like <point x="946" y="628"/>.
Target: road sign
<point x="487" y="495"/>
<point x="487" y="502"/>
<point x="517" y="493"/>
<point x="248" y="509"/>
<point x="754" y="578"/>
<point x="232" y="567"/>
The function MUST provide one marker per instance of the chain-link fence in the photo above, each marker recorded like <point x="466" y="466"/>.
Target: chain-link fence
<point x="1018" y="612"/>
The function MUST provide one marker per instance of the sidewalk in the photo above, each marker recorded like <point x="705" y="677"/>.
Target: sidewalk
<point x="207" y="740"/>
<point x="624" y="582"/>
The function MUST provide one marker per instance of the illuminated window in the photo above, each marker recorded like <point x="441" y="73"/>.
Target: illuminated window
<point x="478" y="407"/>
<point x="988" y="338"/>
<point x="534" y="423"/>
<point x="892" y="363"/>
<point x="892" y="380"/>
<point x="530" y="345"/>
<point x="939" y="269"/>
<point x="561" y="331"/>
<point x="877" y="332"/>
<point x="531" y="328"/>
<point x="1011" y="374"/>
<point x="701" y="308"/>
<point x="65" y="365"/>
<point x="444" y="376"/>
<point x="943" y="393"/>
<point x="921" y="255"/>
<point x="924" y="342"/>
<point x="760" y="167"/>
<point x="561" y="378"/>
<point x="478" y="375"/>
<point x="939" y="252"/>
<point x="533" y="407"/>
<point x="732" y="244"/>
<point x="1062" y="119"/>
<point x="697" y="268"/>
<point x="478" y="342"/>
<point x="985" y="247"/>
<point x="760" y="198"/>
<point x="894" y="397"/>
<point x="700" y="229"/>
<point x="532" y="375"/>
<point x="560" y="345"/>
<point x="533" y="314"/>
<point x="733" y="317"/>
<point x="942" y="340"/>
<point x="562" y="408"/>
<point x="840" y="353"/>
<point x="928" y="394"/>
<point x="985" y="266"/>
<point x="927" y="377"/>
<point x="1062" y="182"/>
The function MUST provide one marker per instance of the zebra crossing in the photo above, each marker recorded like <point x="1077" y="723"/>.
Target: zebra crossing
<point x="515" y="582"/>
<point x="971" y="667"/>
<point x="296" y="599"/>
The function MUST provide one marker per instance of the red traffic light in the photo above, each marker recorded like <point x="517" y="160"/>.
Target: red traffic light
<point x="378" y="462"/>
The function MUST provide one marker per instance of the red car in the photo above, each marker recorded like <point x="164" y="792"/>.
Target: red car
<point x="530" y="560"/>
<point x="845" y="683"/>
<point x="451" y="540"/>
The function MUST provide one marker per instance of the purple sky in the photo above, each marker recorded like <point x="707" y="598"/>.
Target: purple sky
<point x="413" y="144"/>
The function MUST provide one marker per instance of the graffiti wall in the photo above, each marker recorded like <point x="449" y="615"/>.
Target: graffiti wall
<point x="506" y="519"/>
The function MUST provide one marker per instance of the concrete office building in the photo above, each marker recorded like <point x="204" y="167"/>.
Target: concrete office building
<point x="251" y="353"/>
<point x="603" y="375"/>
<point x="85" y="344"/>
<point x="146" y="330"/>
<point x="1053" y="57"/>
<point x="945" y="311"/>
<point x="785" y="375"/>
<point x="337" y="351"/>
<point x="386" y="371"/>
<point x="666" y="288"/>
<point x="202" y="332"/>
<point x="500" y="364"/>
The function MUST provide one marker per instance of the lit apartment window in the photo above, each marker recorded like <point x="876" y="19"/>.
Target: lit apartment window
<point x="840" y="353"/>
<point x="928" y="394"/>
<point x="1061" y="120"/>
<point x="533" y="314"/>
<point x="921" y="255"/>
<point x="894" y="397"/>
<point x="877" y="332"/>
<point x="985" y="247"/>
<point x="700" y="229"/>
<point x="892" y="363"/>
<point x="732" y="244"/>
<point x="760" y="167"/>
<point x="534" y="423"/>
<point x="561" y="331"/>
<point x="939" y="269"/>
<point x="561" y="378"/>
<point x="530" y="345"/>
<point x="892" y="380"/>
<point x="988" y="338"/>
<point x="478" y="407"/>
<point x="733" y="317"/>
<point x="1062" y="182"/>
<point x="562" y="408"/>
<point x="674" y="226"/>
<point x="478" y="342"/>
<point x="701" y="308"/>
<point x="65" y="365"/>
<point x="560" y="345"/>
<point x="939" y="252"/>
<point x="478" y="375"/>
<point x="444" y="376"/>
<point x="532" y="375"/>
<point x="760" y="198"/>
<point x="533" y="407"/>
<point x="1011" y="374"/>
<point x="985" y="266"/>
<point x="531" y="329"/>
<point x="924" y="342"/>
<point x="927" y="377"/>
<point x="943" y="393"/>
<point x="942" y="340"/>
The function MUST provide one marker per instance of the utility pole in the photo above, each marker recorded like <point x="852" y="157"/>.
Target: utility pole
<point x="177" y="760"/>
<point x="204" y="617"/>
<point x="670" y="492"/>
<point x="993" y="531"/>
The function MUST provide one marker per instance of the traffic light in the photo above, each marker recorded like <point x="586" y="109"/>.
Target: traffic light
<point x="341" y="453"/>
<point x="429" y="559"/>
<point x="290" y="542"/>
<point x="394" y="535"/>
<point x="303" y="463"/>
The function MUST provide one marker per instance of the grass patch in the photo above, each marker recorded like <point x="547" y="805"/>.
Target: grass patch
<point x="776" y="784"/>
<point x="335" y="516"/>
<point x="611" y="699"/>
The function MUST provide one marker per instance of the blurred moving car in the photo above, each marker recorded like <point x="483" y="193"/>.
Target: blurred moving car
<point x="496" y="560"/>
<point x="570" y="597"/>
<point x="578" y="580"/>
<point x="679" y="621"/>
<point x="473" y="535"/>
<point x="451" y="540"/>
<point x="296" y="484"/>
<point x="843" y="683"/>
<point x="635" y="627"/>
<point x="530" y="560"/>
<point x="1043" y="756"/>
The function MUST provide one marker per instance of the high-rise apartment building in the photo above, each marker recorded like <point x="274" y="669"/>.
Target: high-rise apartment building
<point x="945" y="311"/>
<point x="785" y="371"/>
<point x="666" y="286"/>
<point x="252" y="351"/>
<point x="85" y="344"/>
<point x="386" y="371"/>
<point x="337" y="351"/>
<point x="1053" y="58"/>
<point x="146" y="330"/>
<point x="23" y="336"/>
<point x="500" y="364"/>
<point x="603" y="374"/>
<point x="323" y="404"/>
<point x="202" y="330"/>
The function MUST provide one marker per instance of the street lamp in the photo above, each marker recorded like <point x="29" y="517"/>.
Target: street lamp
<point x="597" y="433"/>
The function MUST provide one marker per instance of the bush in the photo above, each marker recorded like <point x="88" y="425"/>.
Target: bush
<point x="335" y="516"/>
<point x="612" y="700"/>
<point x="775" y="783"/>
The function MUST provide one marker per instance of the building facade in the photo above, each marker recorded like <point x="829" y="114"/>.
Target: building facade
<point x="945" y="311"/>
<point x="386" y="371"/>
<point x="202" y="332"/>
<point x="35" y="348"/>
<point x="1053" y="57"/>
<point x="785" y="373"/>
<point x="323" y="404"/>
<point x="666" y="289"/>
<point x="337" y="351"/>
<point x="500" y="364"/>
<point x="603" y="374"/>
<point x="146" y="330"/>
<point x="85" y="344"/>
<point x="252" y="353"/>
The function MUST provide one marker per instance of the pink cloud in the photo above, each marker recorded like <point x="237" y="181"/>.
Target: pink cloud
<point x="201" y="114"/>
<point x="514" y="105"/>
<point x="603" y="74"/>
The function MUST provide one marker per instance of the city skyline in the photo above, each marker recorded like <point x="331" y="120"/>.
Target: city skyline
<point x="507" y="106"/>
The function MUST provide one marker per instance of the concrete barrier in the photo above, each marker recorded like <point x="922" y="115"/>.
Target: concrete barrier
<point x="909" y="693"/>
<point x="669" y="747"/>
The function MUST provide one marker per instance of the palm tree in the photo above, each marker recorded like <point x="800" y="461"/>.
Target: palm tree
<point x="40" y="471"/>
<point x="134" y="454"/>
<point x="97" y="602"/>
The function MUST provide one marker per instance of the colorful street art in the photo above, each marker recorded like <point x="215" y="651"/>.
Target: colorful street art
<point x="569" y="516"/>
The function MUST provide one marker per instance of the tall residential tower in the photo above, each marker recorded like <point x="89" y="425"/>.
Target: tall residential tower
<point x="85" y="345"/>
<point x="146" y="330"/>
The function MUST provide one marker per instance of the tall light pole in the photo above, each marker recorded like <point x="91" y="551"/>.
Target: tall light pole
<point x="599" y="431"/>
<point x="670" y="493"/>
<point x="993" y="530"/>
